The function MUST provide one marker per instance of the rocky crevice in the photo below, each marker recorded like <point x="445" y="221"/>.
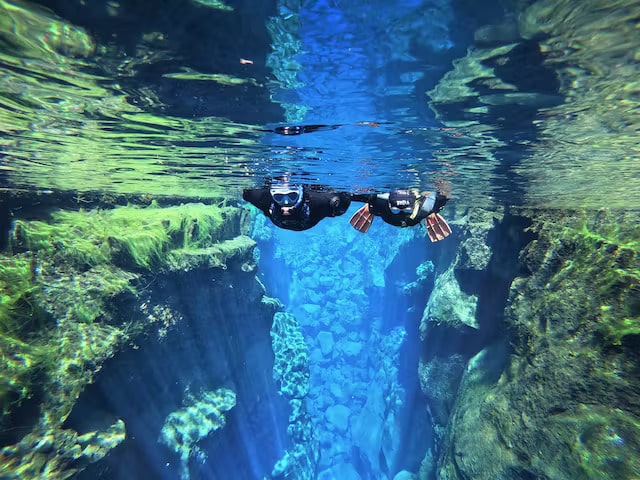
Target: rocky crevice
<point x="553" y="392"/>
<point x="465" y="311"/>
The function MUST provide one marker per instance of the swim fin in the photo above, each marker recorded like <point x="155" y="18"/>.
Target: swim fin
<point x="437" y="227"/>
<point x="361" y="220"/>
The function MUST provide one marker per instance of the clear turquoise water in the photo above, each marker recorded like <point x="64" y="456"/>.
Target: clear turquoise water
<point x="183" y="100"/>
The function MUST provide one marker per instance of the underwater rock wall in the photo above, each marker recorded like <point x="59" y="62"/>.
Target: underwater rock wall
<point x="465" y="310"/>
<point x="109" y="318"/>
<point x="565" y="405"/>
<point x="546" y="385"/>
<point x="569" y="303"/>
<point x="291" y="371"/>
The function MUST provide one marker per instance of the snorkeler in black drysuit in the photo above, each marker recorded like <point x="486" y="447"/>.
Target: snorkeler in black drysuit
<point x="403" y="208"/>
<point x="297" y="207"/>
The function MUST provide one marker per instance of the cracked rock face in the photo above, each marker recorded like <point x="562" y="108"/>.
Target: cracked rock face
<point x="563" y="403"/>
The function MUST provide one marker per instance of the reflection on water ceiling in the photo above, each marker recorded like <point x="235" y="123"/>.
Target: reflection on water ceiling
<point x="513" y="103"/>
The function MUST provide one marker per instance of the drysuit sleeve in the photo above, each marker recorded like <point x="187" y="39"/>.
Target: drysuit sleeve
<point x="329" y="204"/>
<point x="441" y="201"/>
<point x="339" y="203"/>
<point x="259" y="197"/>
<point x="363" y="197"/>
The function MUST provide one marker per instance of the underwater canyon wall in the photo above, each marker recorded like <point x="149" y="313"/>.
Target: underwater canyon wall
<point x="137" y="332"/>
<point x="541" y="381"/>
<point x="546" y="385"/>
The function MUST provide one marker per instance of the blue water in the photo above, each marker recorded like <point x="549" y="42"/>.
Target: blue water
<point x="362" y="70"/>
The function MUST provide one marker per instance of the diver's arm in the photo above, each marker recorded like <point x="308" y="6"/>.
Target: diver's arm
<point x="329" y="204"/>
<point x="339" y="203"/>
<point x="441" y="201"/>
<point x="259" y="197"/>
<point x="363" y="197"/>
<point x="370" y="198"/>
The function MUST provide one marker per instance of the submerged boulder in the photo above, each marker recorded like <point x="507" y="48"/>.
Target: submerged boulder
<point x="449" y="306"/>
<point x="200" y="416"/>
<point x="338" y="416"/>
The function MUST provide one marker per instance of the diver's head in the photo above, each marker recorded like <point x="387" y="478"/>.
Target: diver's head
<point x="287" y="197"/>
<point x="401" y="201"/>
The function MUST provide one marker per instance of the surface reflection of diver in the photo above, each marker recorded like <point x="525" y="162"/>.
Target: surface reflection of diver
<point x="403" y="208"/>
<point x="300" y="129"/>
<point x="297" y="207"/>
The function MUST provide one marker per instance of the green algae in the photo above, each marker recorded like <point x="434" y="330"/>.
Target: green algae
<point x="608" y="251"/>
<point x="220" y="78"/>
<point x="607" y="442"/>
<point x="57" y="454"/>
<point x="16" y="287"/>
<point x="129" y="236"/>
<point x="59" y="315"/>
<point x="215" y="4"/>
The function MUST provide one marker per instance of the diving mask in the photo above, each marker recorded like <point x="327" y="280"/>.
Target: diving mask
<point x="287" y="196"/>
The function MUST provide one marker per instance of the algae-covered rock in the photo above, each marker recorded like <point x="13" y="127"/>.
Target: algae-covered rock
<point x="62" y="291"/>
<point x="565" y="405"/>
<point x="201" y="415"/>
<point x="129" y="237"/>
<point x="291" y="370"/>
<point x="57" y="454"/>
<point x="449" y="306"/>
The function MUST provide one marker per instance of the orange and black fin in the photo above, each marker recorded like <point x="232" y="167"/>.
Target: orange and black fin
<point x="437" y="227"/>
<point x="361" y="220"/>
